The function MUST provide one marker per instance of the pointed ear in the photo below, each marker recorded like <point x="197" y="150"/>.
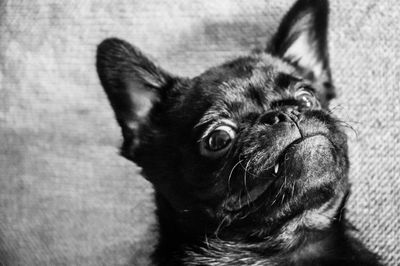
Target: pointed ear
<point x="132" y="83"/>
<point x="301" y="40"/>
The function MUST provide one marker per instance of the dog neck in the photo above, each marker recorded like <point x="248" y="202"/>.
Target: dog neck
<point x="220" y="252"/>
<point x="300" y="240"/>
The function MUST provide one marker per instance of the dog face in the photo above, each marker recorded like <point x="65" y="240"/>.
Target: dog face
<point x="245" y="147"/>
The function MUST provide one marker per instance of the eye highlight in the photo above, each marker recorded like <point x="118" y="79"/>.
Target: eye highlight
<point x="217" y="142"/>
<point x="307" y="99"/>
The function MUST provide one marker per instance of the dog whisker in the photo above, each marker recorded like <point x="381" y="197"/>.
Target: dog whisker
<point x="246" y="168"/>
<point x="293" y="188"/>
<point x="230" y="174"/>
<point x="245" y="185"/>
<point x="347" y="125"/>
<point x="220" y="226"/>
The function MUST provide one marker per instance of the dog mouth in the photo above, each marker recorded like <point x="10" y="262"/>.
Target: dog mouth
<point x="281" y="169"/>
<point x="249" y="195"/>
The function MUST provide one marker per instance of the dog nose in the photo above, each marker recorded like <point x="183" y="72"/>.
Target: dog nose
<point x="289" y="114"/>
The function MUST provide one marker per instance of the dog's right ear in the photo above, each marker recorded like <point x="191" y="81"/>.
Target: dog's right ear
<point x="133" y="84"/>
<point x="301" y="40"/>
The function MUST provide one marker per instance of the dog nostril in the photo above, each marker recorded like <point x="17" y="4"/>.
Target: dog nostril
<point x="283" y="117"/>
<point x="274" y="118"/>
<point x="270" y="119"/>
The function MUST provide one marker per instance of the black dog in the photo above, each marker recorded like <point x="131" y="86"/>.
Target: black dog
<point x="249" y="165"/>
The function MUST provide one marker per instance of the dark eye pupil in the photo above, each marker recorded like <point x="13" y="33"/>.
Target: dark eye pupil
<point x="218" y="140"/>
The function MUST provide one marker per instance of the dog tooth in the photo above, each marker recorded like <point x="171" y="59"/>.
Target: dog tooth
<point x="276" y="168"/>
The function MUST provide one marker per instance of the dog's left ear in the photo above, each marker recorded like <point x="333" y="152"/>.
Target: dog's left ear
<point x="301" y="40"/>
<point x="134" y="85"/>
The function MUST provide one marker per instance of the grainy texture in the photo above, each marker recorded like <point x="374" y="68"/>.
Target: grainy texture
<point x="66" y="197"/>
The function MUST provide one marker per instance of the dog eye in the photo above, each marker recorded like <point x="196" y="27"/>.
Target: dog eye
<point x="307" y="99"/>
<point x="217" y="142"/>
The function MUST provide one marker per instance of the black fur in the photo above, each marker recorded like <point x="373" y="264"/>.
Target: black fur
<point x="249" y="165"/>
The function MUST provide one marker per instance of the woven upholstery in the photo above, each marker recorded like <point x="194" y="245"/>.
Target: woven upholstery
<point x="66" y="197"/>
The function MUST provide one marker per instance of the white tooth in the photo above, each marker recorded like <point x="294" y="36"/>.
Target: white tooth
<point x="276" y="168"/>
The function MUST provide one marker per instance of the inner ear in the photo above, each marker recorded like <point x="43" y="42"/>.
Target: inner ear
<point x="133" y="84"/>
<point x="301" y="40"/>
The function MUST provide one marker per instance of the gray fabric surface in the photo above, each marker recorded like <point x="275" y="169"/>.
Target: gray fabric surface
<point x="67" y="198"/>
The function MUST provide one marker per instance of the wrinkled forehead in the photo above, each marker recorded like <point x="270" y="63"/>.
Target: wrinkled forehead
<point x="246" y="85"/>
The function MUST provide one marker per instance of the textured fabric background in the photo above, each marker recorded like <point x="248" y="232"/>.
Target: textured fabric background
<point x="67" y="198"/>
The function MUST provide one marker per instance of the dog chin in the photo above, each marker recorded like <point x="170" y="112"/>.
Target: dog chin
<point x="308" y="159"/>
<point x="303" y="157"/>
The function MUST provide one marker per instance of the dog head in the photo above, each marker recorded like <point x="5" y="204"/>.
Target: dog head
<point x="246" y="146"/>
